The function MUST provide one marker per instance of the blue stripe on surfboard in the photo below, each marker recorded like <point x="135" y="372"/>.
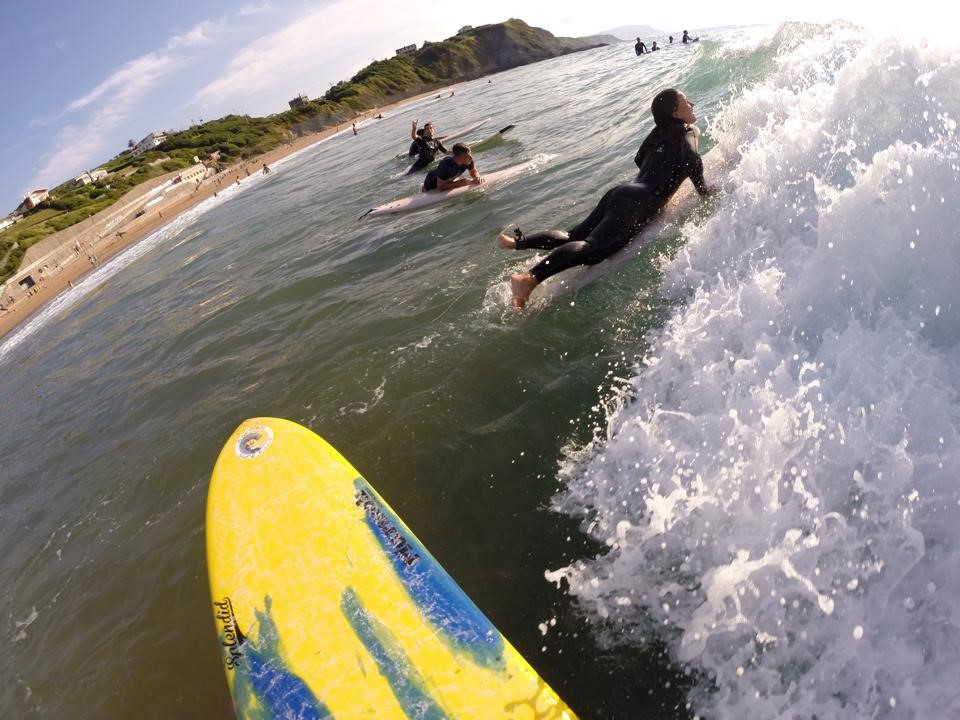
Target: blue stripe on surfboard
<point x="405" y="682"/>
<point x="459" y="622"/>
<point x="264" y="686"/>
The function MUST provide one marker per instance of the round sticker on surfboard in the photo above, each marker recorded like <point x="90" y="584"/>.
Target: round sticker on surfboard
<point x="253" y="442"/>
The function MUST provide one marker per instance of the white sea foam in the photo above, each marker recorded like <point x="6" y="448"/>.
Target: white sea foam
<point x="779" y="486"/>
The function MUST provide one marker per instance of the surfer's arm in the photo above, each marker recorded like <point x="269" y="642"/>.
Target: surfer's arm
<point x="475" y="174"/>
<point x="413" y="130"/>
<point x="696" y="176"/>
<point x="694" y="162"/>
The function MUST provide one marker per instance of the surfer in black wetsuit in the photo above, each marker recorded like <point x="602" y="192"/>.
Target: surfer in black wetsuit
<point x="640" y="48"/>
<point x="687" y="39"/>
<point x="424" y="147"/>
<point x="668" y="156"/>
<point x="444" y="176"/>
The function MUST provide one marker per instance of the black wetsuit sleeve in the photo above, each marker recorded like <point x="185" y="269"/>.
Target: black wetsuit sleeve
<point x="441" y="148"/>
<point x="696" y="175"/>
<point x="693" y="166"/>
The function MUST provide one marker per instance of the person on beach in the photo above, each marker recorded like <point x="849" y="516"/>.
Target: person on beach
<point x="424" y="147"/>
<point x="640" y="48"/>
<point x="668" y="155"/>
<point x="354" y="126"/>
<point x="266" y="169"/>
<point x="444" y="176"/>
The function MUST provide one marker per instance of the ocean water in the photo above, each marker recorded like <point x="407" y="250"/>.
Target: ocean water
<point x="717" y="480"/>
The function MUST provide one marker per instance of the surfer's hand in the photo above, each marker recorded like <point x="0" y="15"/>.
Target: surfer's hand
<point x="478" y="180"/>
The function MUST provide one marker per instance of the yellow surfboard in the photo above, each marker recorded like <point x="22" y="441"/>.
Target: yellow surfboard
<point x="327" y="606"/>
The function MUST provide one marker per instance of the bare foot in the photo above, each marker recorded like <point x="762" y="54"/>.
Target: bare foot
<point x="522" y="285"/>
<point x="507" y="242"/>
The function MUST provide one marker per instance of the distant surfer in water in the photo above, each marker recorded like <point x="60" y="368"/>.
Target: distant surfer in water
<point x="668" y="155"/>
<point x="424" y="147"/>
<point x="444" y="176"/>
<point x="687" y="39"/>
<point x="640" y="48"/>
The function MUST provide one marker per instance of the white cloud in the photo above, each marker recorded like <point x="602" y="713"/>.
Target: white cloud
<point x="331" y="43"/>
<point x="292" y="52"/>
<point x="133" y="78"/>
<point x="200" y="34"/>
<point x="112" y="101"/>
<point x="255" y="8"/>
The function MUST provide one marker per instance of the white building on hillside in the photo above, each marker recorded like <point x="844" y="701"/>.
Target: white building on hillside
<point x="32" y="200"/>
<point x="148" y="143"/>
<point x="89" y="177"/>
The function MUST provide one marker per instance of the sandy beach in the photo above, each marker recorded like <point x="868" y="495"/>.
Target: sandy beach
<point x="64" y="277"/>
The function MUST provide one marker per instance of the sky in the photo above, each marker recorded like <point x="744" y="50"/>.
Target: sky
<point x="83" y="78"/>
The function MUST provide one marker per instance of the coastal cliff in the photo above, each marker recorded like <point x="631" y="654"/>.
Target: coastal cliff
<point x="468" y="55"/>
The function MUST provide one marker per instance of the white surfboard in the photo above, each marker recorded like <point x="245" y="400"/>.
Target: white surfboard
<point x="483" y="143"/>
<point x="450" y="136"/>
<point x="432" y="197"/>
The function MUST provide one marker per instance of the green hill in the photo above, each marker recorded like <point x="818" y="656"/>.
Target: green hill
<point x="466" y="56"/>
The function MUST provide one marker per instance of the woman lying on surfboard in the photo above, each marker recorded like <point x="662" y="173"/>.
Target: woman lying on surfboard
<point x="667" y="157"/>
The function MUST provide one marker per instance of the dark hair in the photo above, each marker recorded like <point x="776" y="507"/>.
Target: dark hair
<point x="667" y="129"/>
<point x="663" y="106"/>
<point x="420" y="132"/>
<point x="461" y="149"/>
